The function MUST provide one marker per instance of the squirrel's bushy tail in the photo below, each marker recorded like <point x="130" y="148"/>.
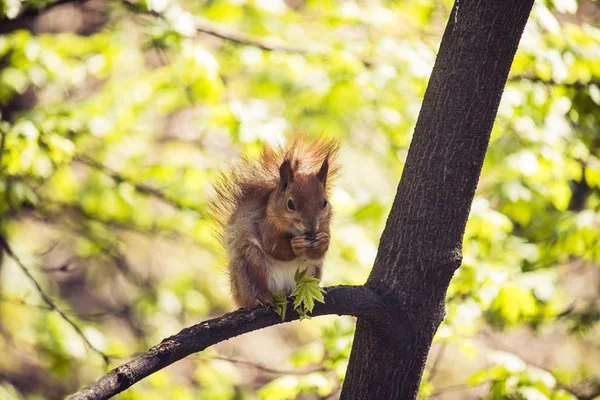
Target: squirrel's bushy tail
<point x="259" y="177"/>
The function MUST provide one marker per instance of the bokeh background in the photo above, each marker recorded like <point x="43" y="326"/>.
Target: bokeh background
<point x="115" y="116"/>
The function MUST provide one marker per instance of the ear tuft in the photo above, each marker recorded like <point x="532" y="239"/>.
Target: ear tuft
<point x="322" y="174"/>
<point x="286" y="174"/>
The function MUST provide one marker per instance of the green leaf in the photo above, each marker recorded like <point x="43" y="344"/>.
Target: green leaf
<point x="305" y="294"/>
<point x="281" y="301"/>
<point x="298" y="275"/>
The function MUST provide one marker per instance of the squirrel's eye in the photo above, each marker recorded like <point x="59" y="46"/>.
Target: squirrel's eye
<point x="325" y="203"/>
<point x="290" y="205"/>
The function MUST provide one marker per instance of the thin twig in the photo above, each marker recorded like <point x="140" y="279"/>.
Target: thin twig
<point x="64" y="266"/>
<point x="76" y="209"/>
<point x="267" y="369"/>
<point x="254" y="365"/>
<point x="232" y="35"/>
<point x="223" y="32"/>
<point x="42" y="307"/>
<point x="2" y="147"/>
<point x="456" y="388"/>
<point x="49" y="249"/>
<point x="35" y="12"/>
<point x="109" y="250"/>
<point x="437" y="360"/>
<point x="7" y="249"/>
<point x="120" y="261"/>
<point x="142" y="188"/>
<point x="335" y="394"/>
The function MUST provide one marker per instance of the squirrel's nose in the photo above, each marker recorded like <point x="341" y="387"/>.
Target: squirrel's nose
<point x="313" y="227"/>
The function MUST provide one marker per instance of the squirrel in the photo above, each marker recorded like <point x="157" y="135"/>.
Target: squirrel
<point x="273" y="217"/>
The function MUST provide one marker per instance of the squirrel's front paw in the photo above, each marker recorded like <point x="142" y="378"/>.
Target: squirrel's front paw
<point x="321" y="241"/>
<point x="300" y="244"/>
<point x="265" y="299"/>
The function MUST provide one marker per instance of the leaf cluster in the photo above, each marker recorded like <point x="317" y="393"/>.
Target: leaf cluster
<point x="306" y="292"/>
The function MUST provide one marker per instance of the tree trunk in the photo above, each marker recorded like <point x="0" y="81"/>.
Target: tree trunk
<point x="421" y="245"/>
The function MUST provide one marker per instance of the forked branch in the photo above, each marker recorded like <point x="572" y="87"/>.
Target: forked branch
<point x="5" y="247"/>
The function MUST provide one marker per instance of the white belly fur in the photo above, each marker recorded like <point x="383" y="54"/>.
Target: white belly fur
<point x="281" y="273"/>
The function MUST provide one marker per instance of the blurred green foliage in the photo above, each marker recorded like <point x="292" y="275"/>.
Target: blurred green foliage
<point x="110" y="138"/>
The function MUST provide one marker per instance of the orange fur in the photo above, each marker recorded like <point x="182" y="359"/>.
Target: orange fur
<point x="255" y="177"/>
<point x="263" y="238"/>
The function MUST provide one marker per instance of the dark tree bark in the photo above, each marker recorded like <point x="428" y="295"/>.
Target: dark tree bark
<point x="421" y="245"/>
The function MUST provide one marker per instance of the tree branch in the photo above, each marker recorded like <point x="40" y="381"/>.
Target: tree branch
<point x="29" y="13"/>
<point x="269" y="370"/>
<point x="41" y="307"/>
<point x="437" y="360"/>
<point x="140" y="187"/>
<point x="233" y="35"/>
<point x="223" y="32"/>
<point x="2" y="148"/>
<point x="79" y="211"/>
<point x="457" y="388"/>
<point x="357" y="301"/>
<point x="7" y="249"/>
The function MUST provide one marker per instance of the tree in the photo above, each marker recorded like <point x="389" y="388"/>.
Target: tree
<point x="421" y="246"/>
<point x="80" y="130"/>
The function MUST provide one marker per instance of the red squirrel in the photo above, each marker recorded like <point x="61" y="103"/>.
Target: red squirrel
<point x="274" y="217"/>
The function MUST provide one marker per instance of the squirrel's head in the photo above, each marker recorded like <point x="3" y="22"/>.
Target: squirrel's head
<point x="300" y="203"/>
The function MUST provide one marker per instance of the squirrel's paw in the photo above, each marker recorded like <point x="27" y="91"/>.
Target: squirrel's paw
<point x="300" y="244"/>
<point x="321" y="241"/>
<point x="265" y="299"/>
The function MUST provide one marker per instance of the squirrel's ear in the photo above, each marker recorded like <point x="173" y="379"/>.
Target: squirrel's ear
<point x="286" y="174"/>
<point x="322" y="174"/>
